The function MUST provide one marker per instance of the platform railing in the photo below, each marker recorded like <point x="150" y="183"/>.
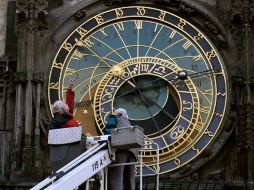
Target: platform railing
<point x="141" y="164"/>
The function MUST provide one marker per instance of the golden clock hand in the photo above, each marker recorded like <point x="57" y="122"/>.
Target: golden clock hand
<point x="110" y="65"/>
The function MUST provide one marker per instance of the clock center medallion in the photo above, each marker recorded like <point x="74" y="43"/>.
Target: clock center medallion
<point x="150" y="96"/>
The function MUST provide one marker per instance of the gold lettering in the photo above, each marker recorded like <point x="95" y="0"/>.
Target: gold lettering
<point x="119" y="13"/>
<point x="199" y="126"/>
<point x="188" y="105"/>
<point x="221" y="94"/>
<point x="172" y="34"/>
<point x="120" y="26"/>
<point x="126" y="74"/>
<point x="138" y="24"/>
<point x="210" y="54"/>
<point x="135" y="70"/>
<point x="218" y="114"/>
<point x="115" y="81"/>
<point x="195" y="149"/>
<point x="85" y="43"/>
<point x="147" y="145"/>
<point x="160" y="70"/>
<point x="81" y="31"/>
<point x="67" y="46"/>
<point x="187" y="44"/>
<point x="77" y="55"/>
<point x="107" y="113"/>
<point x="198" y="37"/>
<point x="70" y="72"/>
<point x="162" y="15"/>
<point x="108" y="94"/>
<point x="209" y="133"/>
<point x="177" y="161"/>
<point x="144" y="67"/>
<point x="181" y="24"/>
<point x="99" y="19"/>
<point x="58" y="65"/>
<point x="53" y="85"/>
<point x="141" y="12"/>
<point x="103" y="32"/>
<point x="177" y="132"/>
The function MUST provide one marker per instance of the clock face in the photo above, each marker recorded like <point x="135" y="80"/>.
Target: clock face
<point x="159" y="67"/>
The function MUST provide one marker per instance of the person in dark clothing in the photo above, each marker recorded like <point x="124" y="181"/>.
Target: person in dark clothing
<point x="123" y="177"/>
<point x="62" y="154"/>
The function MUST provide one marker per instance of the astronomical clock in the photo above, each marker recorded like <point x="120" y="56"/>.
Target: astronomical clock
<point x="160" y="67"/>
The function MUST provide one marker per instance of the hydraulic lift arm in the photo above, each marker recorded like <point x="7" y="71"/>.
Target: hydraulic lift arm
<point x="79" y="170"/>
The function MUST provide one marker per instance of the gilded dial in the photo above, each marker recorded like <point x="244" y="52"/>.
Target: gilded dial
<point x="164" y="71"/>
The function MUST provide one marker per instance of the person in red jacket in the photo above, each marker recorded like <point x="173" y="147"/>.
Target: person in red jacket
<point x="62" y="154"/>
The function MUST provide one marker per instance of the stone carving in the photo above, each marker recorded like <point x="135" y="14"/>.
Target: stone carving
<point x="31" y="8"/>
<point x="214" y="30"/>
<point x="240" y="8"/>
<point x="38" y="77"/>
<point x="186" y="9"/>
<point x="230" y="123"/>
<point x="41" y="6"/>
<point x="187" y="168"/>
<point x="22" y="6"/>
<point x="80" y="14"/>
<point x="3" y="14"/>
<point x="195" y="176"/>
<point x="28" y="12"/>
<point x="216" y="175"/>
<point x="208" y="152"/>
<point x="246" y="29"/>
<point x="19" y="77"/>
<point x="113" y="2"/>
<point x="211" y="27"/>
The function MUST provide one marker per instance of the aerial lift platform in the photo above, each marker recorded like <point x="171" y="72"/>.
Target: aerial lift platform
<point x="96" y="159"/>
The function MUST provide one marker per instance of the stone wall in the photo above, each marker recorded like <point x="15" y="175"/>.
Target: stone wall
<point x="3" y="14"/>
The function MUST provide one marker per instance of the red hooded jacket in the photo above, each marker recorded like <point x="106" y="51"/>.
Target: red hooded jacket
<point x="64" y="120"/>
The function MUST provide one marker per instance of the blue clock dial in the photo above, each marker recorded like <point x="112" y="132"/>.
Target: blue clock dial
<point x="163" y="70"/>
